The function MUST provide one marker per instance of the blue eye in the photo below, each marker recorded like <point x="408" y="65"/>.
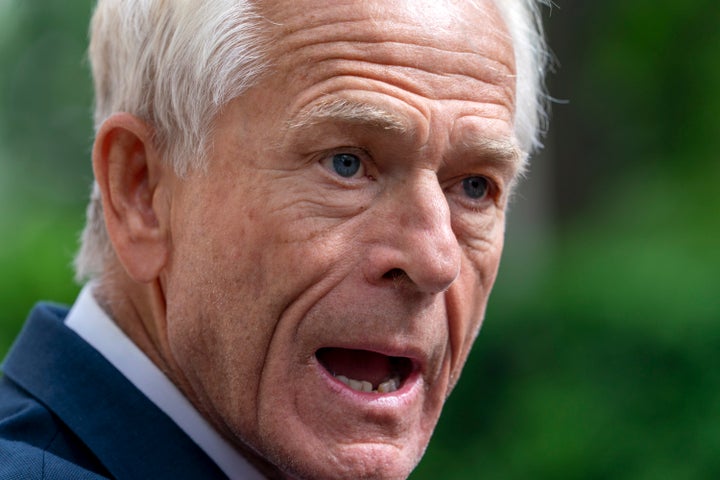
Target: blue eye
<point x="476" y="187"/>
<point x="346" y="165"/>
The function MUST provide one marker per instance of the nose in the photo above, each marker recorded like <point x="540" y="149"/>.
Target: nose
<point x="414" y="243"/>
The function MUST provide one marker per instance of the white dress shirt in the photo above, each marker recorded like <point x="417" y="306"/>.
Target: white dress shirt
<point x="89" y="321"/>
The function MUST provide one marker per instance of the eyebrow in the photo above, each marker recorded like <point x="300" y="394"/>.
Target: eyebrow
<point x="503" y="152"/>
<point x="347" y="111"/>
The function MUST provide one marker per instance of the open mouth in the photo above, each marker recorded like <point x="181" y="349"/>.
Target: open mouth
<point x="366" y="371"/>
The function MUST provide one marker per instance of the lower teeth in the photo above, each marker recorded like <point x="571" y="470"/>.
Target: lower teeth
<point x="388" y="386"/>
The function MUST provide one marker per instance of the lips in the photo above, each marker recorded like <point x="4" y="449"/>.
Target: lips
<point x="364" y="370"/>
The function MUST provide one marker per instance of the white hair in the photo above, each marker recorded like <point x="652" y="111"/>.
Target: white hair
<point x="524" y="22"/>
<point x="176" y="63"/>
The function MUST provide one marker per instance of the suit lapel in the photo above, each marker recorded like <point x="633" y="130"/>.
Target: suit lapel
<point x="128" y="433"/>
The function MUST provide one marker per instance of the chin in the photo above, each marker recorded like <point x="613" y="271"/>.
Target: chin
<point x="352" y="462"/>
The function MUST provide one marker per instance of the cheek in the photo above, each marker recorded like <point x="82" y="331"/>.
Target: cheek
<point x="234" y="273"/>
<point x="216" y="345"/>
<point x="467" y="298"/>
<point x="219" y="308"/>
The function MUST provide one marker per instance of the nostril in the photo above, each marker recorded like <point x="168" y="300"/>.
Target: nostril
<point x="395" y="274"/>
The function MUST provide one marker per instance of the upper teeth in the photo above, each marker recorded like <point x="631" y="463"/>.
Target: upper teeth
<point x="387" y="386"/>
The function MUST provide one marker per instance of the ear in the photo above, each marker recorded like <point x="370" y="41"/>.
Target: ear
<point x="131" y="177"/>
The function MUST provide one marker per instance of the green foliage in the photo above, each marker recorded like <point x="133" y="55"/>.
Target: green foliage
<point x="45" y="98"/>
<point x="36" y="261"/>
<point x="45" y="135"/>
<point x="606" y="367"/>
<point x="598" y="360"/>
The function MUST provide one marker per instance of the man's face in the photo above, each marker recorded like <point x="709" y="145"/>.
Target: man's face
<point x="346" y="234"/>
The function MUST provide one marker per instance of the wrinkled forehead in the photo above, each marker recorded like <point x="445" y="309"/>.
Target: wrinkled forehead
<point x="457" y="25"/>
<point x="433" y="62"/>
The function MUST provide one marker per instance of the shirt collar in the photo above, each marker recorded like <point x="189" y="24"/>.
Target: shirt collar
<point x="91" y="323"/>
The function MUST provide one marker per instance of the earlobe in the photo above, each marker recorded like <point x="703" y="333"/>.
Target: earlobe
<point x="130" y="174"/>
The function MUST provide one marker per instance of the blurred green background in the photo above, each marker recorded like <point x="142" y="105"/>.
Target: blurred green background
<point x="600" y="354"/>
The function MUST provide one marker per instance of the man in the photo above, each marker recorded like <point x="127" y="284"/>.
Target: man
<point x="297" y="219"/>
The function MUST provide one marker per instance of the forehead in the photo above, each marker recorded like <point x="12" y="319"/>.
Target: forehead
<point x="429" y="40"/>
<point x="437" y="16"/>
<point x="439" y="73"/>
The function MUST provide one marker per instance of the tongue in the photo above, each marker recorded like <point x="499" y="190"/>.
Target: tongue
<point x="356" y="364"/>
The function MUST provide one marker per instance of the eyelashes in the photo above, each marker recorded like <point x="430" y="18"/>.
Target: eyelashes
<point x="474" y="191"/>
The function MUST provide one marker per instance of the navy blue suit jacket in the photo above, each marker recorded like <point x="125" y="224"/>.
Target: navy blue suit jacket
<point x="67" y="413"/>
